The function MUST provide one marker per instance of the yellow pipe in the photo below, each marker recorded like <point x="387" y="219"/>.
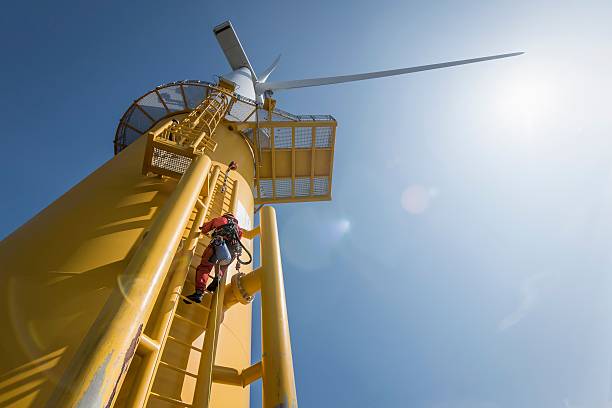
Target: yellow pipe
<point x="147" y="345"/>
<point x="95" y="374"/>
<point x="209" y="348"/>
<point x="149" y="364"/>
<point x="250" y="234"/>
<point x="231" y="376"/>
<point x="278" y="379"/>
<point x="251" y="283"/>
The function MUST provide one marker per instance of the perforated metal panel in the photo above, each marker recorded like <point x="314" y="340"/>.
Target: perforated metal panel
<point x="293" y="153"/>
<point x="295" y="159"/>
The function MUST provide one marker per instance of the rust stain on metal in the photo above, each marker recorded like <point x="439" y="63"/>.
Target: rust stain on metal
<point x="126" y="363"/>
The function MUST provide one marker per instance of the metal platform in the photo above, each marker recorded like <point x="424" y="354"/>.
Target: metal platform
<point x="293" y="153"/>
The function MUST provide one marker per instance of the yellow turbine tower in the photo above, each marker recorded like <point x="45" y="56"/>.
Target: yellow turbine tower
<point x="91" y="287"/>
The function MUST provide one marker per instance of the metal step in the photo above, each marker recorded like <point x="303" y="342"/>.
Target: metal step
<point x="169" y="399"/>
<point x="177" y="369"/>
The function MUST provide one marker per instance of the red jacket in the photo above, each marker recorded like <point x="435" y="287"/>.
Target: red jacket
<point x="218" y="222"/>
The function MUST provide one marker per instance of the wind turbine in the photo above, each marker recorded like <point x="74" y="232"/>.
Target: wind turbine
<point x="254" y="87"/>
<point x="114" y="253"/>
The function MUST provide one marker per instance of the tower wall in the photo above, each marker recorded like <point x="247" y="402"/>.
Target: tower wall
<point x="58" y="269"/>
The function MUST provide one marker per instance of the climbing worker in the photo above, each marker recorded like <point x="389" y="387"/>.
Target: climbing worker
<point x="224" y="248"/>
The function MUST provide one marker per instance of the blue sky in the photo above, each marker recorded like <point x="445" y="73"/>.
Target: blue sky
<point x="464" y="261"/>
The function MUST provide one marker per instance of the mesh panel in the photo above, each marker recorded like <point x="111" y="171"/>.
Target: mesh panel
<point x="321" y="186"/>
<point x="173" y="97"/>
<point x="153" y="106"/>
<point x="265" y="188"/>
<point x="303" y="137"/>
<point x="139" y="120"/>
<point x="302" y="186"/>
<point x="264" y="138"/>
<point x="323" y="136"/>
<point x="240" y="111"/>
<point x="194" y="94"/>
<point x="130" y="136"/>
<point x="282" y="138"/>
<point x="283" y="187"/>
<point x="169" y="161"/>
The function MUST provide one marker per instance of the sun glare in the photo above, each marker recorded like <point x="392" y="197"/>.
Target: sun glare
<point x="525" y="101"/>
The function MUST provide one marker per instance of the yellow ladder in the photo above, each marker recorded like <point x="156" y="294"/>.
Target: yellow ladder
<point x="195" y="130"/>
<point x="172" y="147"/>
<point x="152" y="345"/>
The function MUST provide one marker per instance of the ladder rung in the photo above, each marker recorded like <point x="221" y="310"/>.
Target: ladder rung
<point x="181" y="342"/>
<point x="194" y="303"/>
<point x="168" y="399"/>
<point x="177" y="369"/>
<point x="183" y="318"/>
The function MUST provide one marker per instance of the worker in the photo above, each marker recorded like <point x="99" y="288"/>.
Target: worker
<point x="223" y="249"/>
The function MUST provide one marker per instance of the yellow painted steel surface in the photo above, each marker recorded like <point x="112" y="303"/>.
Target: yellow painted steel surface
<point x="111" y="241"/>
<point x="59" y="269"/>
<point x="277" y="362"/>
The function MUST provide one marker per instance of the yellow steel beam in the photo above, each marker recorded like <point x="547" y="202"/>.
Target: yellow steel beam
<point x="293" y="162"/>
<point x="278" y="379"/>
<point x="162" y="100"/>
<point x="312" y="159"/>
<point x="143" y="383"/>
<point x="290" y="123"/>
<point x="95" y="374"/>
<point x="304" y="199"/>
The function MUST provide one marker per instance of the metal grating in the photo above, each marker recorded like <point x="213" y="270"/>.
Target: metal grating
<point x="302" y="187"/>
<point x="303" y="137"/>
<point x="173" y="97"/>
<point x="283" y="187"/>
<point x="154" y="107"/>
<point x="241" y="111"/>
<point x="194" y="94"/>
<point x="320" y="186"/>
<point x="282" y="138"/>
<point x="323" y="136"/>
<point x="265" y="188"/>
<point x="169" y="161"/>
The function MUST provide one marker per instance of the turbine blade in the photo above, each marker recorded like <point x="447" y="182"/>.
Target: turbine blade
<point x="231" y="46"/>
<point x="264" y="75"/>
<point x="303" y="83"/>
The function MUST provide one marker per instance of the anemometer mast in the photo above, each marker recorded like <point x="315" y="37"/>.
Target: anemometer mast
<point x="115" y="254"/>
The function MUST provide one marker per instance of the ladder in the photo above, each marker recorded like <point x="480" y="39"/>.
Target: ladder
<point x="173" y="146"/>
<point x="184" y="325"/>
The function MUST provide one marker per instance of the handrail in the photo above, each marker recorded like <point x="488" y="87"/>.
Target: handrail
<point x="143" y="382"/>
<point x="108" y="348"/>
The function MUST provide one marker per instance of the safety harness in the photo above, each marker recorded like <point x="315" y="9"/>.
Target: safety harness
<point x="229" y="233"/>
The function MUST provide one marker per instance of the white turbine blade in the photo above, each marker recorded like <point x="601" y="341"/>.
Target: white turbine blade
<point x="231" y="46"/>
<point x="264" y="75"/>
<point x="303" y="83"/>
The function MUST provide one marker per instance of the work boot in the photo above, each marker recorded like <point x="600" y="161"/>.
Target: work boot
<point x="194" y="297"/>
<point x="213" y="285"/>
